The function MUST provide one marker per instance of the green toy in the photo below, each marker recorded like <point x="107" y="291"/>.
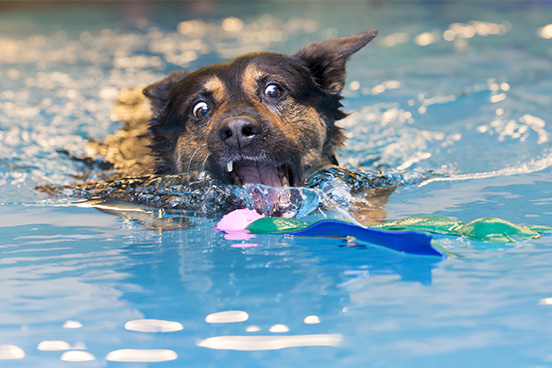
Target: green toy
<point x="487" y="229"/>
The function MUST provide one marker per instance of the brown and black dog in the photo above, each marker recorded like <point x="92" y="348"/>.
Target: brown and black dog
<point x="261" y="118"/>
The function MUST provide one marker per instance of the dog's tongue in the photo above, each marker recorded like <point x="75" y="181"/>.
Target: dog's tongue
<point x="253" y="172"/>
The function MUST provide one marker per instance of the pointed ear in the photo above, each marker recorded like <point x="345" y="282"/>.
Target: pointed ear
<point x="327" y="59"/>
<point x="159" y="92"/>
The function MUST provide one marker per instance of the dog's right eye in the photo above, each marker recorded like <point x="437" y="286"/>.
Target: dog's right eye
<point x="200" y="109"/>
<point x="273" y="91"/>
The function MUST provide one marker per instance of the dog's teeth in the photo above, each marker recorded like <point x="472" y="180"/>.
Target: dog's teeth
<point x="285" y="181"/>
<point x="230" y="166"/>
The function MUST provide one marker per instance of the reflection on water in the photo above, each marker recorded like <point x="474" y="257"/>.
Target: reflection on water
<point x="263" y="342"/>
<point x="72" y="324"/>
<point x="279" y="328"/>
<point x="251" y="343"/>
<point x="53" y="346"/>
<point x="311" y="320"/>
<point x="153" y="325"/>
<point x="244" y="343"/>
<point x="141" y="355"/>
<point x="546" y="31"/>
<point x="227" y="317"/>
<point x="201" y="291"/>
<point x="11" y="352"/>
<point x="252" y="328"/>
<point x="77" y="356"/>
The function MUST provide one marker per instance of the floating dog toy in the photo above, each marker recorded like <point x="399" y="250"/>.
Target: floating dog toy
<point x="410" y="242"/>
<point x="487" y="229"/>
<point x="406" y="235"/>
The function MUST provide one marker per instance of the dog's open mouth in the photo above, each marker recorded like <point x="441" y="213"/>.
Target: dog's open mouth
<point x="260" y="172"/>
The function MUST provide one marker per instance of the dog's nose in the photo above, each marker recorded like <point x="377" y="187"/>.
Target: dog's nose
<point x="239" y="131"/>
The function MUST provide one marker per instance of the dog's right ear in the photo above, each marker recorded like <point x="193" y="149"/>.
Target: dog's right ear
<point x="159" y="92"/>
<point x="327" y="59"/>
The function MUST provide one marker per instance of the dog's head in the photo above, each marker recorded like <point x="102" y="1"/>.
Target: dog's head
<point x="262" y="118"/>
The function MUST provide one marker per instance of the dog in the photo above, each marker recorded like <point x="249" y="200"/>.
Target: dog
<point x="261" y="118"/>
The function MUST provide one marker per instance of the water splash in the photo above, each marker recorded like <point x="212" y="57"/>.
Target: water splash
<point x="326" y="190"/>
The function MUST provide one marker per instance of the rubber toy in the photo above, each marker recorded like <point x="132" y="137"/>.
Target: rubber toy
<point x="409" y="242"/>
<point x="405" y="235"/>
<point x="487" y="229"/>
<point x="237" y="220"/>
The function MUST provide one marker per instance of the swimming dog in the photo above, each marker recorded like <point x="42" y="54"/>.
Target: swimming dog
<point x="261" y="118"/>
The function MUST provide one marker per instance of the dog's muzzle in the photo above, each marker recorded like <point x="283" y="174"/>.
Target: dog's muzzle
<point x="239" y="133"/>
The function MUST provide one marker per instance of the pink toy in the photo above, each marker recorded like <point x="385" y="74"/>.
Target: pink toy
<point x="237" y="220"/>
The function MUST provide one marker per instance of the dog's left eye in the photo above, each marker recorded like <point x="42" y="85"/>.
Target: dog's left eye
<point x="273" y="91"/>
<point x="200" y="109"/>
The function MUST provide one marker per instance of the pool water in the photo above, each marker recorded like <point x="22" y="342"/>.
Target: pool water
<point x="461" y="89"/>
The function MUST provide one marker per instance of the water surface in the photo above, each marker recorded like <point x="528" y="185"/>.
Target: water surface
<point x="462" y="89"/>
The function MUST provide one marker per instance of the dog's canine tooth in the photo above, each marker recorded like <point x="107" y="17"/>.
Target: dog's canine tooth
<point x="285" y="181"/>
<point x="230" y="166"/>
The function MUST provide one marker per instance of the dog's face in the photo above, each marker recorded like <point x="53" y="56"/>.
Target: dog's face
<point x="261" y="118"/>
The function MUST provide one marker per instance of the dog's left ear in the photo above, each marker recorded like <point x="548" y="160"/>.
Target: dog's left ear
<point x="159" y="92"/>
<point x="327" y="59"/>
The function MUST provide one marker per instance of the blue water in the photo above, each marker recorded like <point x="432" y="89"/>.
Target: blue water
<point x="458" y="88"/>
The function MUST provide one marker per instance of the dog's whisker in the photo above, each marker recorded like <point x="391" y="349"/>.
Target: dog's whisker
<point x="205" y="161"/>
<point x="192" y="157"/>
